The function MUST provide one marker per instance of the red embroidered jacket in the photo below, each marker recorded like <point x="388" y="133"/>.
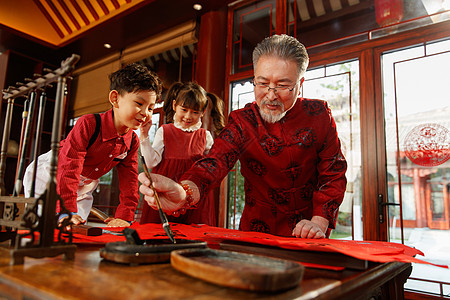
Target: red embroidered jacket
<point x="293" y="169"/>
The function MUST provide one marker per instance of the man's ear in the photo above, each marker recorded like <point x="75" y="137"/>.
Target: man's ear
<point x="302" y="80"/>
<point x="300" y="86"/>
<point x="113" y="98"/>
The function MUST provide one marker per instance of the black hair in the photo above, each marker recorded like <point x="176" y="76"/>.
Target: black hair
<point x="135" y="77"/>
<point x="190" y="95"/>
<point x="217" y="112"/>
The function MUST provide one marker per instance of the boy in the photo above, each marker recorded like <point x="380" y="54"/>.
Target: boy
<point x="82" y="161"/>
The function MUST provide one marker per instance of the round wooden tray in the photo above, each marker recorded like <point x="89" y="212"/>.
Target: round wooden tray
<point x="152" y="251"/>
<point x="238" y="270"/>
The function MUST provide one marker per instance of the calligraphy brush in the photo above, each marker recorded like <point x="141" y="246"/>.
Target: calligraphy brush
<point x="162" y="215"/>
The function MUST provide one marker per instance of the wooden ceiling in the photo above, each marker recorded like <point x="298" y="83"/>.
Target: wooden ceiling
<point x="52" y="30"/>
<point x="71" y="18"/>
<point x="58" y="22"/>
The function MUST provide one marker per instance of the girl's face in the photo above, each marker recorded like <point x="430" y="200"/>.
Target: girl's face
<point x="186" y="117"/>
<point x="131" y="110"/>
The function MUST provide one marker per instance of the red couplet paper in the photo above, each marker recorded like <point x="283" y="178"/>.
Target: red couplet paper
<point x="375" y="251"/>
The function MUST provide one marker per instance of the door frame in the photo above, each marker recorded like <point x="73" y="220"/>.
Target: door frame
<point x="373" y="150"/>
<point x="373" y="143"/>
<point x="408" y="39"/>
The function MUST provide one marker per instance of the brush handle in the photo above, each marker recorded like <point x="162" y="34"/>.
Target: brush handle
<point x="162" y="215"/>
<point x="99" y="214"/>
<point x="147" y="173"/>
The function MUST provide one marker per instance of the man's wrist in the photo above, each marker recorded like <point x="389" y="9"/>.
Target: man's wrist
<point x="189" y="195"/>
<point x="192" y="192"/>
<point x="192" y="197"/>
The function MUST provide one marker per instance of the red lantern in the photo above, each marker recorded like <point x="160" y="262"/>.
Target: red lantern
<point x="388" y="12"/>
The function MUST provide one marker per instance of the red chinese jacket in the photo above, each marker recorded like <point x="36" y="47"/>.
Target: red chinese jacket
<point x="293" y="169"/>
<point x="109" y="150"/>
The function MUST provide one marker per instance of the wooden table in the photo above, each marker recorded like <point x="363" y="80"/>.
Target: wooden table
<point x="90" y="277"/>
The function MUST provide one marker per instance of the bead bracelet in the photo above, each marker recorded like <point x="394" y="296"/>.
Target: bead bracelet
<point x="189" y="201"/>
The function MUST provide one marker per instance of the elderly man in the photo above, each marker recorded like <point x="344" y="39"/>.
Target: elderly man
<point x="288" y="147"/>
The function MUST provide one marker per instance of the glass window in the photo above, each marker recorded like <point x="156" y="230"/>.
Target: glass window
<point x="338" y="84"/>
<point x="417" y="132"/>
<point x="251" y="25"/>
<point x="320" y="24"/>
<point x="241" y="94"/>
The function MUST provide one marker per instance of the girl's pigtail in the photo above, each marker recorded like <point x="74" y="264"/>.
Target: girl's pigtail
<point x="172" y="94"/>
<point x="217" y="112"/>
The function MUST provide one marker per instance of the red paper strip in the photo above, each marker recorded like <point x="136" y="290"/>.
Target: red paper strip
<point x="366" y="250"/>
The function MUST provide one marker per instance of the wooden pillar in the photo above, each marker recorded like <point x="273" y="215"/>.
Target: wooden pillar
<point x="212" y="51"/>
<point x="281" y="17"/>
<point x="211" y="68"/>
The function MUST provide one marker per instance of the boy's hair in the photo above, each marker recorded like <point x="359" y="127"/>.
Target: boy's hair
<point x="190" y="95"/>
<point x="135" y="77"/>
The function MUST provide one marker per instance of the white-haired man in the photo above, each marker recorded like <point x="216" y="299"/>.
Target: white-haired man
<point x="288" y="147"/>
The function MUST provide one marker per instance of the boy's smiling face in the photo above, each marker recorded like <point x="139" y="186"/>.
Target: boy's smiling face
<point x="131" y="110"/>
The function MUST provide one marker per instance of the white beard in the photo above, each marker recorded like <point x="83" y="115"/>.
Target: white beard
<point x="269" y="117"/>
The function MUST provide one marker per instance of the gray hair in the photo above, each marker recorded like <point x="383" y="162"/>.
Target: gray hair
<point x="285" y="47"/>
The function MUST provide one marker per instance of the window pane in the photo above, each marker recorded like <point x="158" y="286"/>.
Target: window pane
<point x="417" y="131"/>
<point x="437" y="47"/>
<point x="339" y="86"/>
<point x="251" y="25"/>
<point x="323" y="25"/>
<point x="242" y="93"/>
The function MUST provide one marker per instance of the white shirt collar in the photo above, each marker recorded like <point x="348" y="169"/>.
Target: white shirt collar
<point x="190" y="129"/>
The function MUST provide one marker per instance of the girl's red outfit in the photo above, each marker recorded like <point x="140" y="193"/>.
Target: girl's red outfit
<point x="182" y="149"/>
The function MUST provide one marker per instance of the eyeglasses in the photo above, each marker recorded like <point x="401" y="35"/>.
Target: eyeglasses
<point x="280" y="90"/>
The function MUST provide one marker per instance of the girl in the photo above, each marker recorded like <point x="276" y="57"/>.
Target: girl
<point x="179" y="144"/>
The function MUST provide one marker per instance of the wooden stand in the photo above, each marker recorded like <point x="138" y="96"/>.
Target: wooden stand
<point x="39" y="219"/>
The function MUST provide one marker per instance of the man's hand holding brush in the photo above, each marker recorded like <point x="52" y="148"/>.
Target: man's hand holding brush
<point x="171" y="194"/>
